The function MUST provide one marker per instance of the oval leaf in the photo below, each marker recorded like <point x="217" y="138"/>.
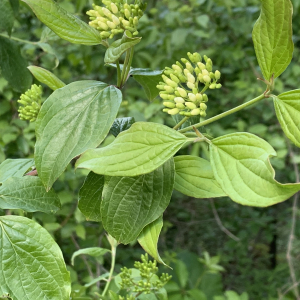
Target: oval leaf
<point x="6" y="16"/>
<point x="241" y="166"/>
<point x="32" y="265"/>
<point x="272" y="37"/>
<point x="64" y="24"/>
<point x="139" y="150"/>
<point x="46" y="77"/>
<point x="287" y="107"/>
<point x="29" y="194"/>
<point x="121" y="124"/>
<point x="73" y="119"/>
<point x="93" y="251"/>
<point x="117" y="48"/>
<point x="90" y="197"/>
<point x="131" y="203"/>
<point x="194" y="177"/>
<point x="148" y="238"/>
<point x="14" y="168"/>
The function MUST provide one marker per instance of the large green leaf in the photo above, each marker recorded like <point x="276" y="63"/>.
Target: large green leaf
<point x="139" y="150"/>
<point x="73" y="119"/>
<point x="14" y="168"/>
<point x="90" y="197"/>
<point x="194" y="177"/>
<point x="272" y="37"/>
<point x="6" y="16"/>
<point x="117" y="48"/>
<point x="14" y="66"/>
<point x="46" y="77"/>
<point x="241" y="166"/>
<point x="149" y="236"/>
<point x="131" y="203"/>
<point x="93" y="251"/>
<point x="29" y="194"/>
<point x="64" y="24"/>
<point x="32" y="265"/>
<point x="287" y="107"/>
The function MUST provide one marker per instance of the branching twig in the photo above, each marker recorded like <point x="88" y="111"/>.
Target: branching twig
<point x="289" y="289"/>
<point x="219" y="222"/>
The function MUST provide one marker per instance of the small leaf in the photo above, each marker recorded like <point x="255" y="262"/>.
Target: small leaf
<point x="48" y="49"/>
<point x="121" y="124"/>
<point x="15" y="6"/>
<point x="14" y="168"/>
<point x="272" y="37"/>
<point x="144" y="72"/>
<point x="93" y="251"/>
<point x="149" y="84"/>
<point x="241" y="166"/>
<point x="73" y="119"/>
<point x="46" y="77"/>
<point x="32" y="265"/>
<point x="194" y="177"/>
<point x="148" y="238"/>
<point x="101" y="277"/>
<point x="29" y="194"/>
<point x="117" y="48"/>
<point x="139" y="150"/>
<point x="64" y="24"/>
<point x="113" y="296"/>
<point x="90" y="197"/>
<point x="131" y="203"/>
<point x="6" y="16"/>
<point x="14" y="66"/>
<point x="287" y="107"/>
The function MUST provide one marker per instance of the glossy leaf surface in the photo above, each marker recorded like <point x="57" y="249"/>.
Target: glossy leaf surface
<point x="241" y="166"/>
<point x="64" y="24"/>
<point x="121" y="124"/>
<point x="272" y="37"/>
<point x="131" y="203"/>
<point x="139" y="150"/>
<point x="73" y="119"/>
<point x="32" y="265"/>
<point x="194" y="177"/>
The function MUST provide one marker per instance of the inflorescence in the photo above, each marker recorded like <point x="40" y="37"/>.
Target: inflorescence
<point x="183" y="90"/>
<point x="116" y="17"/>
<point x="31" y="101"/>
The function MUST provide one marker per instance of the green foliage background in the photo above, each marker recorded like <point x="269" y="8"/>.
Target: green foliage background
<point x="222" y="30"/>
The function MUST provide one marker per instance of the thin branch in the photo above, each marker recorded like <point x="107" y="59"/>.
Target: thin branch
<point x="83" y="257"/>
<point x="219" y="222"/>
<point x="289" y="256"/>
<point x="289" y="289"/>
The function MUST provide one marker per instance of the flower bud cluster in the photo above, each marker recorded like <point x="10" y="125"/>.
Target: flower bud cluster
<point x="147" y="270"/>
<point x="184" y="85"/>
<point x="31" y="103"/>
<point x="115" y="17"/>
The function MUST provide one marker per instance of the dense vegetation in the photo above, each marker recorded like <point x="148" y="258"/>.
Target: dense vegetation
<point x="249" y="243"/>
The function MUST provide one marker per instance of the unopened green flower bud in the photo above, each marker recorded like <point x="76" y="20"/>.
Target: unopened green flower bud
<point x="206" y="78"/>
<point x="179" y="65"/>
<point x="197" y="71"/>
<point x="125" y="23"/>
<point x="112" y="25"/>
<point x="104" y="34"/>
<point x="205" y="72"/>
<point x="114" y="8"/>
<point x="200" y="77"/>
<point x="219" y="85"/>
<point x="202" y="113"/>
<point x="205" y="58"/>
<point x="171" y="97"/>
<point x="190" y="105"/>
<point x="201" y="65"/>
<point x="102" y="25"/>
<point x="180" y="106"/>
<point x="192" y="97"/>
<point x="195" y="112"/>
<point x="189" y="67"/>
<point x="217" y="75"/>
<point x="212" y="86"/>
<point x="106" y="12"/>
<point x="169" y="89"/>
<point x="115" y="20"/>
<point x="186" y="72"/>
<point x="169" y="104"/>
<point x="164" y="96"/>
<point x="182" y="92"/>
<point x="187" y="114"/>
<point x="205" y="98"/>
<point x="174" y="78"/>
<point x="203" y="106"/>
<point x="177" y="68"/>
<point x="190" y="85"/>
<point x="191" y="78"/>
<point x="195" y="90"/>
<point x="173" y="111"/>
<point x="184" y="60"/>
<point x="171" y="83"/>
<point x="166" y="110"/>
<point x="197" y="57"/>
<point x="127" y="13"/>
<point x="179" y="100"/>
<point x="199" y="97"/>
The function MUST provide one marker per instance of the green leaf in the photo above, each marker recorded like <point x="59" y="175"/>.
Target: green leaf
<point x="101" y="277"/>
<point x="287" y="107"/>
<point x="131" y="203"/>
<point x="145" y="72"/>
<point x="32" y="265"/>
<point x="113" y="296"/>
<point x="272" y="37"/>
<point x="6" y="16"/>
<point x="14" y="168"/>
<point x="121" y="124"/>
<point x="232" y="295"/>
<point x="90" y="197"/>
<point x="64" y="24"/>
<point x="149" y="84"/>
<point x="117" y="48"/>
<point x="15" y="6"/>
<point x="46" y="77"/>
<point x="14" y="66"/>
<point x="93" y="251"/>
<point x="241" y="166"/>
<point x="73" y="119"/>
<point x="148" y="238"/>
<point x="29" y="194"/>
<point x="194" y="177"/>
<point x="139" y="150"/>
<point x="48" y="49"/>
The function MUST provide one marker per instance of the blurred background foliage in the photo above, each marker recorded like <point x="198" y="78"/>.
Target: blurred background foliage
<point x="254" y="262"/>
